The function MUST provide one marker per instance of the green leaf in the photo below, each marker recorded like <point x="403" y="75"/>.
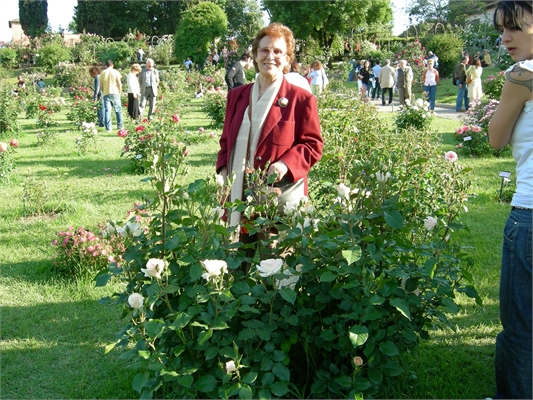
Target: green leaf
<point x="139" y="381"/>
<point x="245" y="392"/>
<point x="391" y="368"/>
<point x="402" y="306"/>
<point x="250" y="377"/>
<point x="430" y="267"/>
<point x="181" y="321"/>
<point x="344" y="381"/>
<point x="389" y="349"/>
<point x="450" y="305"/>
<point x="394" y="219"/>
<point x="279" y="388"/>
<point x="352" y="255"/>
<point x="327" y="277"/>
<point x="358" y="335"/>
<point x="328" y="335"/>
<point x="206" y="383"/>
<point x="186" y="380"/>
<point x="211" y="352"/>
<point x="204" y="336"/>
<point x="288" y="295"/>
<point x="267" y="379"/>
<point x="153" y="328"/>
<point x="101" y="280"/>
<point x="196" y="271"/>
<point x="264" y="393"/>
<point x="144" y="354"/>
<point x="281" y="371"/>
<point x="375" y="376"/>
<point x="419" y="160"/>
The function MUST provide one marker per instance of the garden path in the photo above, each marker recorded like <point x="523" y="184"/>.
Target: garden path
<point x="441" y="110"/>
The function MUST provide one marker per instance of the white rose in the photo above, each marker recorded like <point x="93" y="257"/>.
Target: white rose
<point x="269" y="267"/>
<point x="419" y="102"/>
<point x="135" y="300"/>
<point x="154" y="267"/>
<point x="343" y="190"/>
<point x="290" y="207"/>
<point x="214" y="267"/>
<point x="430" y="223"/>
<point x="219" y="180"/>
<point x="134" y="228"/>
<point x="230" y="367"/>
<point x="218" y="212"/>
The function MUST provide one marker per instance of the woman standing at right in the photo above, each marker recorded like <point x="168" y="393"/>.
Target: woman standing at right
<point x="134" y="91"/>
<point x="512" y="122"/>
<point x="474" y="88"/>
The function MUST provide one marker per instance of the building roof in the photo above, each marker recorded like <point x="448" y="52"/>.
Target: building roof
<point x="15" y="21"/>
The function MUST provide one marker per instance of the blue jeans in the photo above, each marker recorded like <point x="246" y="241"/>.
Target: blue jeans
<point x="513" y="344"/>
<point x="101" y="113"/>
<point x="462" y="93"/>
<point x="432" y="95"/>
<point x="112" y="101"/>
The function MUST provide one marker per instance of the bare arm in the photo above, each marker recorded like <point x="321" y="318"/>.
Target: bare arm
<point x="516" y="91"/>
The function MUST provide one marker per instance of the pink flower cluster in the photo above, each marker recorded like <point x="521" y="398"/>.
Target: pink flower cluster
<point x="467" y="128"/>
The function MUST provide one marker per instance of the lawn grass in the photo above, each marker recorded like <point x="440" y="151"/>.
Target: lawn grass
<point x="53" y="331"/>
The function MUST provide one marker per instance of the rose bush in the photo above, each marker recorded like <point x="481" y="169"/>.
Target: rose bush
<point x="329" y="302"/>
<point x="7" y="164"/>
<point x="417" y="115"/>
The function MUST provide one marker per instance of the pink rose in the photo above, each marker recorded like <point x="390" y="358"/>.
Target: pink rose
<point x="459" y="130"/>
<point x="176" y="118"/>
<point x="200" y="129"/>
<point x="451" y="156"/>
<point x="476" y="128"/>
<point x="140" y="128"/>
<point x="122" y="133"/>
<point x="185" y="152"/>
<point x="14" y="143"/>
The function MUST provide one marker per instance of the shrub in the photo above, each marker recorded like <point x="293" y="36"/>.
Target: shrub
<point x="72" y="75"/>
<point x="493" y="85"/>
<point x="448" y="47"/>
<point x="6" y="159"/>
<point x="82" y="253"/>
<point x="215" y="107"/>
<point x="119" y="52"/>
<point x="8" y="57"/>
<point x="9" y="110"/>
<point x="417" y="115"/>
<point x="87" y="138"/>
<point x="472" y="138"/>
<point x="330" y="304"/>
<point x="51" y="55"/>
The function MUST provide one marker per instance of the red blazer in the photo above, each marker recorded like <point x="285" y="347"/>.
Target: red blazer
<point x="291" y="133"/>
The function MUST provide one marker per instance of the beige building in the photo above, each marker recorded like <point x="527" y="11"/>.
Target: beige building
<point x="18" y="36"/>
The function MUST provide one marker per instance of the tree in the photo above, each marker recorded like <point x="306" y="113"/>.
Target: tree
<point x="245" y="19"/>
<point x="326" y="21"/>
<point x="453" y="12"/>
<point x="33" y="15"/>
<point x="199" y="27"/>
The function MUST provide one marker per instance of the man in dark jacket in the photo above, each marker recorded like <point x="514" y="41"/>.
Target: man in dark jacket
<point x="235" y="76"/>
<point x="459" y="79"/>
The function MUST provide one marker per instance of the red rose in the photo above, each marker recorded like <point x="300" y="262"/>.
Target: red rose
<point x="140" y="128"/>
<point x="14" y="143"/>
<point x="176" y="118"/>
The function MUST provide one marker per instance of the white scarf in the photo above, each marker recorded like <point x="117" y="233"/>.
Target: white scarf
<point x="243" y="153"/>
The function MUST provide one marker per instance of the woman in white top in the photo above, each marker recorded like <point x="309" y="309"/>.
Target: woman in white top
<point x="474" y="88"/>
<point x="134" y="91"/>
<point x="512" y="122"/>
<point x="319" y="80"/>
<point x="430" y="79"/>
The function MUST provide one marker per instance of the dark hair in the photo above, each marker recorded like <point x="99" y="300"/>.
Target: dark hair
<point x="510" y="14"/>
<point x="477" y="62"/>
<point x="94" y="70"/>
<point x="109" y="63"/>
<point x="275" y="30"/>
<point x="245" y="56"/>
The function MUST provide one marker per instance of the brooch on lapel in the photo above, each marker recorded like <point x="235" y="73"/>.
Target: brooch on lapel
<point x="283" y="102"/>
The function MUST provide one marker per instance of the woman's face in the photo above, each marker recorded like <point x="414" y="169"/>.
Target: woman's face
<point x="271" y="57"/>
<point x="519" y="43"/>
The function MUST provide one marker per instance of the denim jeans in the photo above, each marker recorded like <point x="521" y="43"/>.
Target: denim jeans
<point x="513" y="344"/>
<point x="376" y="91"/>
<point x="101" y="113"/>
<point x="112" y="101"/>
<point x="462" y="93"/>
<point x="432" y="94"/>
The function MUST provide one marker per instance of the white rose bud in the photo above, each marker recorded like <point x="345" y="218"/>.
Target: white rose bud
<point x="430" y="223"/>
<point x="135" y="300"/>
<point x="230" y="367"/>
<point x="269" y="267"/>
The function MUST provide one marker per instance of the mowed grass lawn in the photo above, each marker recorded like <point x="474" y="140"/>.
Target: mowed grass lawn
<point x="53" y="331"/>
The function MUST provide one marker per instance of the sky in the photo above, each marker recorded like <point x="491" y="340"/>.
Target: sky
<point x="60" y="13"/>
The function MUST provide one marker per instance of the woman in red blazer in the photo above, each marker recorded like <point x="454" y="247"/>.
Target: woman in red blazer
<point x="270" y="121"/>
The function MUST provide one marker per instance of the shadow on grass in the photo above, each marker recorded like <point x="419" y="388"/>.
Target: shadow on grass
<point x="56" y="350"/>
<point x="81" y="168"/>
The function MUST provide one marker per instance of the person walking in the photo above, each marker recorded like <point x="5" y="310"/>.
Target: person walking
<point x="97" y="94"/>
<point x="376" y="88"/>
<point x="512" y="123"/>
<point x="459" y="80"/>
<point x="235" y="76"/>
<point x="134" y="91"/>
<point x="404" y="82"/>
<point x="474" y="87"/>
<point x="111" y="87"/>
<point x="430" y="79"/>
<point x="387" y="79"/>
<point x="148" y="82"/>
